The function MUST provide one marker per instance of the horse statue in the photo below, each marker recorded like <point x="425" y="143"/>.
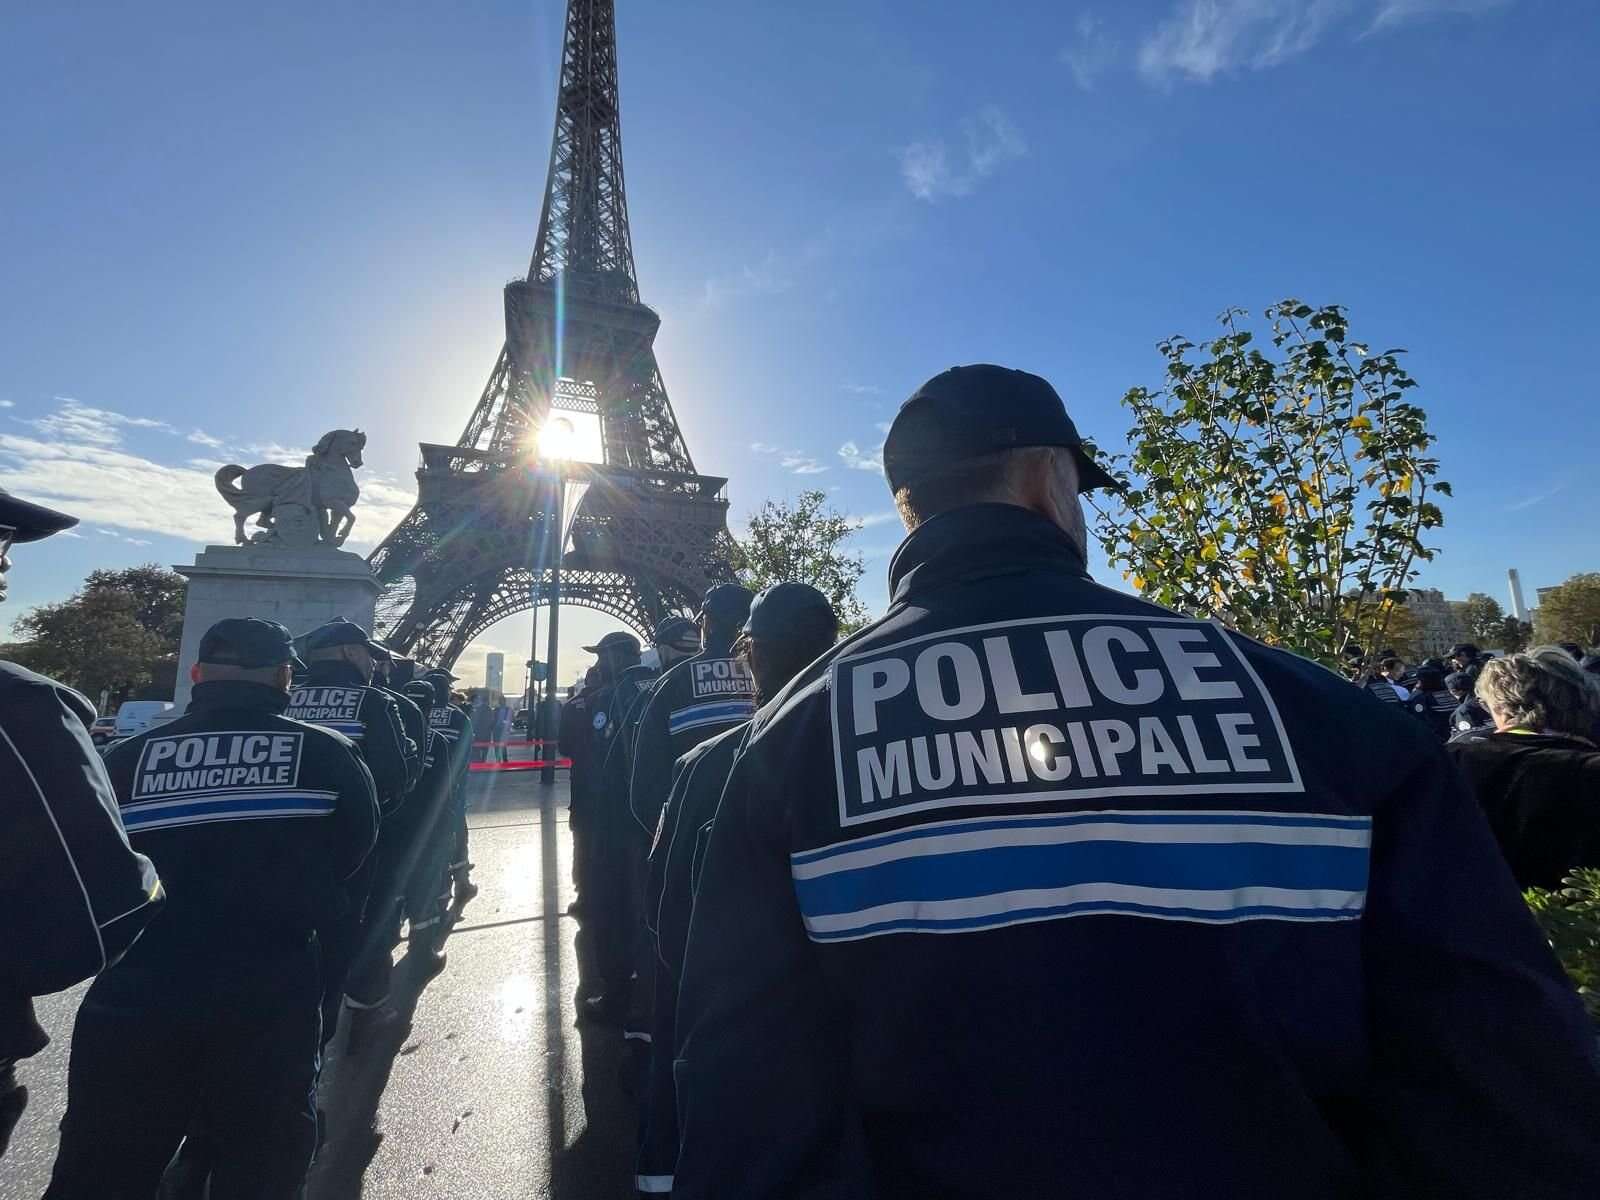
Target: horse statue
<point x="283" y="498"/>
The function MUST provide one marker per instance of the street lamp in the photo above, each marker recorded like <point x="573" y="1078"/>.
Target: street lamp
<point x="557" y="442"/>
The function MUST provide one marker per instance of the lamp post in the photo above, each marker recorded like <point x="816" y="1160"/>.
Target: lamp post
<point x="555" y="448"/>
<point x="558" y="537"/>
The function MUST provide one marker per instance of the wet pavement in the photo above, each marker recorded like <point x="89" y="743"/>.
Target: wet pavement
<point x="487" y="1089"/>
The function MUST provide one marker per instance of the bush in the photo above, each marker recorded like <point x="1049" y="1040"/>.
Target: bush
<point x="1570" y="918"/>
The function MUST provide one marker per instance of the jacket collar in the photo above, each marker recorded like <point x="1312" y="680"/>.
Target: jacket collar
<point x="977" y="542"/>
<point x="331" y="671"/>
<point x="237" y="694"/>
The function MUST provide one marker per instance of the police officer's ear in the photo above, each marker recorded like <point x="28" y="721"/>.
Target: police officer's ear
<point x="283" y="677"/>
<point x="194" y="672"/>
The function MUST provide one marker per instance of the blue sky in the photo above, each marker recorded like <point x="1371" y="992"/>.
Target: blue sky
<point x="225" y="229"/>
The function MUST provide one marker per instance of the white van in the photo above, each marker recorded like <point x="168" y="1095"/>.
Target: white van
<point x="135" y="716"/>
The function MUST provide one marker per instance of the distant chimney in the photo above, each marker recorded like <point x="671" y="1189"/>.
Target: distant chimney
<point x="1519" y="610"/>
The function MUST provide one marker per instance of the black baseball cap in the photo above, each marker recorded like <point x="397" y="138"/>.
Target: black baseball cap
<point x="967" y="412"/>
<point x="249" y="642"/>
<point x="342" y="631"/>
<point x="615" y="643"/>
<point x="30" y="522"/>
<point x="788" y="609"/>
<point x="440" y="673"/>
<point x="1463" y="650"/>
<point x="727" y="603"/>
<point x="677" y="632"/>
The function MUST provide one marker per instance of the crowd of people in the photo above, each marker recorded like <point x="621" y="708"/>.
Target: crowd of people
<point x="234" y="880"/>
<point x="1029" y="888"/>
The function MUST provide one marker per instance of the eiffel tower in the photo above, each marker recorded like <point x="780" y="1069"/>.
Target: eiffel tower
<point x="484" y="537"/>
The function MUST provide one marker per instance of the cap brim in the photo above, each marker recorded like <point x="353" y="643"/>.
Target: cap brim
<point x="379" y="651"/>
<point x="1092" y="477"/>
<point x="32" y="522"/>
<point x="595" y="649"/>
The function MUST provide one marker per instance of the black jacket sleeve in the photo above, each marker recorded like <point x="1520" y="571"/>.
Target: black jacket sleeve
<point x="650" y="778"/>
<point x="387" y="748"/>
<point x="751" y="1011"/>
<point x="75" y="893"/>
<point x="1485" y="1080"/>
<point x="357" y="817"/>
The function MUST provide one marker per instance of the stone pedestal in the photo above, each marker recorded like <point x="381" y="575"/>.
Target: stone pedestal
<point x="300" y="588"/>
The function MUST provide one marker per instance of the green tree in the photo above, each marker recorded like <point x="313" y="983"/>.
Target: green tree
<point x="1570" y="612"/>
<point x="804" y="542"/>
<point x="1285" y="492"/>
<point x="1512" y="636"/>
<point x="118" y="634"/>
<point x="1483" y="618"/>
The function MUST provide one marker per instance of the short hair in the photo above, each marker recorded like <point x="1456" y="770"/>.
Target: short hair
<point x="775" y="661"/>
<point x="1541" y="689"/>
<point x="213" y="672"/>
<point x="1390" y="664"/>
<point x="988" y="478"/>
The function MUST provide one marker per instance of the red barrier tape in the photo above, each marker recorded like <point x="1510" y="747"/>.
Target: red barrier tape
<point x="523" y="764"/>
<point x="523" y="742"/>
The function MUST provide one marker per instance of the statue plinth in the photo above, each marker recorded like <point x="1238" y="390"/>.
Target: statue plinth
<point x="297" y="587"/>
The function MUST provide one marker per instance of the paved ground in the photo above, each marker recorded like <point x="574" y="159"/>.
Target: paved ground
<point x="491" y="1092"/>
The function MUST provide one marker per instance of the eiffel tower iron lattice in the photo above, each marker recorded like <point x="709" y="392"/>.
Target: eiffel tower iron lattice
<point x="481" y="541"/>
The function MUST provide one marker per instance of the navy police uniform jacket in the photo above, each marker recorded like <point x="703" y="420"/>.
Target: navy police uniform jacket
<point x="334" y="696"/>
<point x="253" y="820"/>
<point x="74" y="893"/>
<point x="675" y="858"/>
<point x="697" y="699"/>
<point x="1034" y="889"/>
<point x="415" y="724"/>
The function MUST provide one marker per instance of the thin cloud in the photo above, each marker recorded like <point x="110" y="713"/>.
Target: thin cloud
<point x="868" y="520"/>
<point x="1397" y="12"/>
<point x="1201" y="39"/>
<point x="932" y="171"/>
<point x="775" y="272"/>
<point x="1537" y="498"/>
<point x="7" y="404"/>
<point x="764" y="448"/>
<point x="801" y="464"/>
<point x="858" y="459"/>
<point x="862" y="389"/>
<point x="1092" y="51"/>
<point x="76" y="460"/>
<point x="201" y="438"/>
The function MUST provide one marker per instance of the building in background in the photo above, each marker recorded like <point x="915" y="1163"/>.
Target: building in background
<point x="494" y="673"/>
<point x="1519" y="610"/>
<point x="1439" y="624"/>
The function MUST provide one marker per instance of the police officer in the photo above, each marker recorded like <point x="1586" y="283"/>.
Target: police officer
<point x="449" y="721"/>
<point x="790" y="626"/>
<point x="1431" y="702"/>
<point x="676" y="639"/>
<point x="253" y="820"/>
<point x="608" y="932"/>
<point x="400" y="847"/>
<point x="697" y="699"/>
<point x="960" y="863"/>
<point x="425" y="887"/>
<point x="75" y="894"/>
<point x="336" y="692"/>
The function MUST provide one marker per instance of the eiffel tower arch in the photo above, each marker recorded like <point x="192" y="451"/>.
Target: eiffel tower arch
<point x="483" y="540"/>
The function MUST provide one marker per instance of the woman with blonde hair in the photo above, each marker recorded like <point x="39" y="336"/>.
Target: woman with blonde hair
<point x="1537" y="773"/>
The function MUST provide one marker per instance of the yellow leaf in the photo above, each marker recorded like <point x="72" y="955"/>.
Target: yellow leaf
<point x="1361" y="423"/>
<point x="1138" y="583"/>
<point x="1279" y="502"/>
